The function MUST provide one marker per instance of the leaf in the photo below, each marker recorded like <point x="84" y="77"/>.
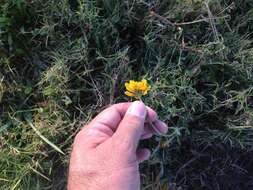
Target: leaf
<point x="4" y="19"/>
<point x="28" y="120"/>
<point x="6" y="126"/>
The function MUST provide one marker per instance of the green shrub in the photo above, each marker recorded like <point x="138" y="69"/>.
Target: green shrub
<point x="62" y="61"/>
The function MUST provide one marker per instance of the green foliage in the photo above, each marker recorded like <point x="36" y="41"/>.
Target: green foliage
<point x="62" y="61"/>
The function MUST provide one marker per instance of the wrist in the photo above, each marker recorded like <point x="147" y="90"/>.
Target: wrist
<point x="114" y="181"/>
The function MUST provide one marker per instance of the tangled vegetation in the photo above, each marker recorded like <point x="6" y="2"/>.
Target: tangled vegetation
<point x="61" y="62"/>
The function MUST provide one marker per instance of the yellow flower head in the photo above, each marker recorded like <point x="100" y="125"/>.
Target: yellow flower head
<point x="137" y="88"/>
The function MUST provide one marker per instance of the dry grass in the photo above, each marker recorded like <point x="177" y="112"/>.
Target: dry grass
<point x="62" y="61"/>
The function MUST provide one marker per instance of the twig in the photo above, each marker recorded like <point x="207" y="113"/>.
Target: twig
<point x="191" y="49"/>
<point x="165" y="20"/>
<point x="211" y="17"/>
<point x="227" y="8"/>
<point x="185" y="47"/>
<point x="152" y="13"/>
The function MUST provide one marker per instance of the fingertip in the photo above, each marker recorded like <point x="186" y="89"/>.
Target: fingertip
<point x="146" y="136"/>
<point x="161" y="126"/>
<point x="143" y="154"/>
<point x="137" y="109"/>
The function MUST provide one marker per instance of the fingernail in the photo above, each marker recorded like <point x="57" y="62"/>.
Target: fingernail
<point x="138" y="109"/>
<point x="161" y="126"/>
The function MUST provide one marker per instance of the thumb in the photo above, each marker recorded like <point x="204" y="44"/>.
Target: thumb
<point x="131" y="127"/>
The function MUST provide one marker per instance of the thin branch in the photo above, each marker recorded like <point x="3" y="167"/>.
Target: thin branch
<point x="165" y="20"/>
<point x="152" y="13"/>
<point x="211" y="17"/>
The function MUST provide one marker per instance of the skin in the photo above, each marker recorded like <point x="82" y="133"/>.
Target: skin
<point x="105" y="152"/>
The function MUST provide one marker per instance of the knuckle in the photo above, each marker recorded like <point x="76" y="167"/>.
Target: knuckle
<point x="80" y="135"/>
<point x="133" y="121"/>
<point x="124" y="144"/>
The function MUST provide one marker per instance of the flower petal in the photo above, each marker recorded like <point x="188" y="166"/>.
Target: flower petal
<point x="137" y="88"/>
<point x="130" y="94"/>
<point x="129" y="87"/>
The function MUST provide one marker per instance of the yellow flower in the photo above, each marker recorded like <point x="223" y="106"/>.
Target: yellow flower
<point x="137" y="88"/>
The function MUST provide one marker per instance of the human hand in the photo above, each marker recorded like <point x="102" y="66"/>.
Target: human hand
<point x="105" y="152"/>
